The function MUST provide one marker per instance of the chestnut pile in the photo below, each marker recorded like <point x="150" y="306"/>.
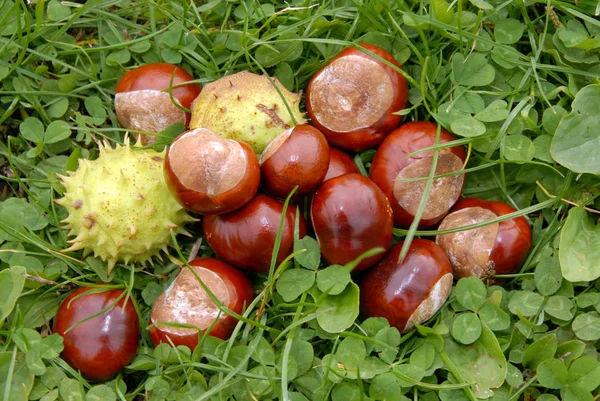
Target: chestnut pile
<point x="246" y="152"/>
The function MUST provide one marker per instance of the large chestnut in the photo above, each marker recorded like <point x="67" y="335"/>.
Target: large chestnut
<point x="185" y="302"/>
<point x="351" y="215"/>
<point x="340" y="163"/>
<point x="98" y="346"/>
<point x="208" y="174"/>
<point x="352" y="99"/>
<point x="297" y="157"/>
<point x="246" y="237"/>
<point x="409" y="291"/>
<point x="143" y="103"/>
<point x="497" y="248"/>
<point x="390" y="166"/>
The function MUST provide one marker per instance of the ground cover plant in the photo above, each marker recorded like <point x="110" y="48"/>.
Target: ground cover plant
<point x="516" y="81"/>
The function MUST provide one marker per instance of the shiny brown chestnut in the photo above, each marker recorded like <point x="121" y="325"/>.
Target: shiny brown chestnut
<point x="351" y="215"/>
<point x="340" y="163"/>
<point x="143" y="102"/>
<point x="497" y="248"/>
<point x="185" y="302"/>
<point x="410" y="291"/>
<point x="101" y="346"/>
<point x="352" y="99"/>
<point x="246" y="237"/>
<point x="208" y="174"/>
<point x="297" y="157"/>
<point x="391" y="166"/>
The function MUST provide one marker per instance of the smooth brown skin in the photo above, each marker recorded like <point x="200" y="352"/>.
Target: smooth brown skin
<point x="241" y="294"/>
<point x="246" y="237"/>
<point x="394" y="290"/>
<point x="390" y="160"/>
<point x="351" y="215"/>
<point x="157" y="76"/>
<point x="340" y="163"/>
<point x="513" y="242"/>
<point x="226" y="202"/>
<point x="303" y="160"/>
<point x="369" y="137"/>
<point x="102" y="346"/>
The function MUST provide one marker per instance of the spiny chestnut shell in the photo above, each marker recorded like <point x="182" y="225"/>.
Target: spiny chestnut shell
<point x="299" y="156"/>
<point x="142" y="100"/>
<point x="246" y="237"/>
<point x="498" y="248"/>
<point x="350" y="215"/>
<point x="390" y="163"/>
<point x="351" y="100"/>
<point x="407" y="292"/>
<point x="186" y="302"/>
<point x="102" y="346"/>
<point x="208" y="174"/>
<point x="340" y="163"/>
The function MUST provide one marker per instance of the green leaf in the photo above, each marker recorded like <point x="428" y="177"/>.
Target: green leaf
<point x="32" y="129"/>
<point x="333" y="279"/>
<point x="575" y="393"/>
<point x="57" y="11"/>
<point x="560" y="307"/>
<point x="385" y="387"/>
<point x="466" y="328"/>
<point x="579" y="250"/>
<point x="548" y="277"/>
<point x="151" y="292"/>
<point x="442" y="11"/>
<point x="293" y="282"/>
<point x="263" y="353"/>
<point x="423" y="356"/>
<point x="311" y="258"/>
<point x="494" y="317"/>
<point x="303" y="352"/>
<point x="495" y="111"/>
<point x="577" y="137"/>
<point x="472" y="71"/>
<point x="339" y="311"/>
<point x="570" y="350"/>
<point x="508" y="31"/>
<point x="351" y="352"/>
<point x="541" y="350"/>
<point x="552" y="374"/>
<point x="95" y="109"/>
<point x="468" y="127"/>
<point x="58" y="108"/>
<point x="22" y="379"/>
<point x="526" y="303"/>
<point x="470" y="292"/>
<point x="11" y="284"/>
<point x="121" y="57"/>
<point x="552" y="117"/>
<point x="101" y="392"/>
<point x="587" y="326"/>
<point x="584" y="373"/>
<point x="518" y="148"/>
<point x="57" y="131"/>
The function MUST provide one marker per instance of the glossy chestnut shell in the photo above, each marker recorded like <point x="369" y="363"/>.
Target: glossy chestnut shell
<point x="351" y="215"/>
<point x="497" y="248"/>
<point x="208" y="174"/>
<point x="143" y="103"/>
<point x="340" y="163"/>
<point x="410" y="291"/>
<point x="102" y="346"/>
<point x="351" y="100"/>
<point x="246" y="237"/>
<point x="390" y="165"/>
<point x="299" y="156"/>
<point x="186" y="302"/>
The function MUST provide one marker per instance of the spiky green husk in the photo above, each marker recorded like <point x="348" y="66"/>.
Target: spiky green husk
<point x="120" y="207"/>
<point x="246" y="107"/>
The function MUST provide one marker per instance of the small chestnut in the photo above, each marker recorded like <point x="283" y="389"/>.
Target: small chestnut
<point x="185" y="302"/>
<point x="103" y="345"/>
<point x="351" y="215"/>
<point x="497" y="248"/>
<point x="352" y="99"/>
<point x="410" y="291"/>
<point x="340" y="163"/>
<point x="208" y="174"/>
<point x="297" y="157"/>
<point x="391" y="166"/>
<point x="143" y="103"/>
<point x="246" y="237"/>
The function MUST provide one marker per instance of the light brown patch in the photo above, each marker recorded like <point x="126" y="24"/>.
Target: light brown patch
<point x="147" y="110"/>
<point x="207" y="163"/>
<point x="186" y="302"/>
<point x="352" y="92"/>
<point x="275" y="144"/>
<point x="434" y="301"/>
<point x="444" y="192"/>
<point x="275" y="121"/>
<point x="469" y="251"/>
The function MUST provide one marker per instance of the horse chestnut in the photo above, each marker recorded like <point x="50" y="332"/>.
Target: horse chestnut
<point x="103" y="345"/>
<point x="246" y="237"/>
<point x="208" y="174"/>
<point x="187" y="303"/>
<point x="410" y="291"/>
<point x="351" y="215"/>
<point x="143" y="103"/>
<point x="390" y="166"/>
<point x="340" y="163"/>
<point x="297" y="157"/>
<point x="497" y="248"/>
<point x="352" y="99"/>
